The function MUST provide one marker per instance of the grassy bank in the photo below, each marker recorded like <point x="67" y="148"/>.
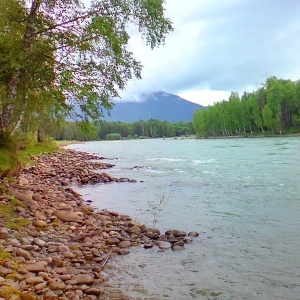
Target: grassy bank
<point x="11" y="161"/>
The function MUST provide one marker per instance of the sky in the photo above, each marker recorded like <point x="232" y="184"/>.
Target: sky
<point x="218" y="47"/>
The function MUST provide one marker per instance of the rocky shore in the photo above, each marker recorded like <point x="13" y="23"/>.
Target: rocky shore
<point x="53" y="244"/>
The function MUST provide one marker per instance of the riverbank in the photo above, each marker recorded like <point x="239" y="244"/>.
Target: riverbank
<point x="53" y="244"/>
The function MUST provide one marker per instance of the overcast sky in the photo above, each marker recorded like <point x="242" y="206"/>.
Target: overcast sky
<point x="220" y="46"/>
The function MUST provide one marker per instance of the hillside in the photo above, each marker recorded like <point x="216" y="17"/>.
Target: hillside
<point x="160" y="105"/>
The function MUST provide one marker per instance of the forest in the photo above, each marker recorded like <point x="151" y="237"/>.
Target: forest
<point x="274" y="108"/>
<point x="104" y="130"/>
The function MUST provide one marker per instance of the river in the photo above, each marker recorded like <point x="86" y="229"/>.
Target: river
<point x="242" y="195"/>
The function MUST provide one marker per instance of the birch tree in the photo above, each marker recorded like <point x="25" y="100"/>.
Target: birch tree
<point x="78" y="53"/>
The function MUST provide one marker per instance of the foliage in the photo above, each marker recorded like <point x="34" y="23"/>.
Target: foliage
<point x="147" y="129"/>
<point x="11" y="292"/>
<point x="11" y="160"/>
<point x="64" y="57"/>
<point x="113" y="136"/>
<point x="274" y="107"/>
<point x="8" y="215"/>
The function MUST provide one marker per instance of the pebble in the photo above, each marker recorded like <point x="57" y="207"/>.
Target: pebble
<point x="62" y="253"/>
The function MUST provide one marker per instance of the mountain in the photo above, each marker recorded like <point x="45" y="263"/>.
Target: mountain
<point x="160" y="105"/>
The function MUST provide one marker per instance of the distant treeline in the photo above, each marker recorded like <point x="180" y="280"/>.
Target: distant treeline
<point x="274" y="108"/>
<point x="121" y="130"/>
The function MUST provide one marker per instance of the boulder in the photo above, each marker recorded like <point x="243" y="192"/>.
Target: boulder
<point x="36" y="267"/>
<point x="176" y="233"/>
<point x="193" y="234"/>
<point x="134" y="229"/>
<point x="68" y="216"/>
<point x="124" y="244"/>
<point x="83" y="279"/>
<point x="23" y="253"/>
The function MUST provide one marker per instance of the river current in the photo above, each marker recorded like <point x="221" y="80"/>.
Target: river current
<point x="242" y="195"/>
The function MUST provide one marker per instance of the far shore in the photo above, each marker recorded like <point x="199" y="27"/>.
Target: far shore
<point x="65" y="143"/>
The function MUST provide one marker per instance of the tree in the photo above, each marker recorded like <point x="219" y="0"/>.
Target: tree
<point x="77" y="53"/>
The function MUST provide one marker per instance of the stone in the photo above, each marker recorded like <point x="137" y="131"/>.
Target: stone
<point x="25" y="197"/>
<point x="86" y="208"/>
<point x="4" y="271"/>
<point x="123" y="251"/>
<point x="23" y="253"/>
<point x="177" y="248"/>
<point x="56" y="261"/>
<point x="62" y="248"/>
<point x="65" y="277"/>
<point x="148" y="245"/>
<point x="40" y="286"/>
<point x="34" y="280"/>
<point x="176" y="233"/>
<point x="68" y="216"/>
<point x="152" y="233"/>
<point x="124" y="244"/>
<point x="36" y="267"/>
<point x="193" y="234"/>
<point x="112" y="241"/>
<point x="40" y="243"/>
<point x="68" y="254"/>
<point x="39" y="223"/>
<point x="94" y="291"/>
<point x="135" y="229"/>
<point x="163" y="244"/>
<point x="4" y="233"/>
<point x="25" y="241"/>
<point x="83" y="279"/>
<point x="56" y="284"/>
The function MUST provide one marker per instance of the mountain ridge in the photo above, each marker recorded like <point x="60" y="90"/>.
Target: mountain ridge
<point x="159" y="105"/>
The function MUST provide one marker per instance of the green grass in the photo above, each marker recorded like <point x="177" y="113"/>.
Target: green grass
<point x="24" y="155"/>
<point x="8" y="215"/>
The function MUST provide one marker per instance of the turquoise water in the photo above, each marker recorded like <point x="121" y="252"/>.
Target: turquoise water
<point x="242" y="195"/>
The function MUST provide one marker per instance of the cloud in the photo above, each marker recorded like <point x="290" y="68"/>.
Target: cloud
<point x="221" y="46"/>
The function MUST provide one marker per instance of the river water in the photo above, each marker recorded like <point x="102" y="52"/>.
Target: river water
<point x="242" y="195"/>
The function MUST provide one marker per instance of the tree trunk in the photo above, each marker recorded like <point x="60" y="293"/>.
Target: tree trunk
<point x="40" y="136"/>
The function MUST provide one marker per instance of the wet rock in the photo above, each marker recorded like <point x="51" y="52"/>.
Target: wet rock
<point x="148" y="245"/>
<point x="152" y="233"/>
<point x="123" y="251"/>
<point x="177" y="248"/>
<point x="135" y="229"/>
<point x="176" y="233"/>
<point x="193" y="234"/>
<point x="163" y="245"/>
<point x="124" y="244"/>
